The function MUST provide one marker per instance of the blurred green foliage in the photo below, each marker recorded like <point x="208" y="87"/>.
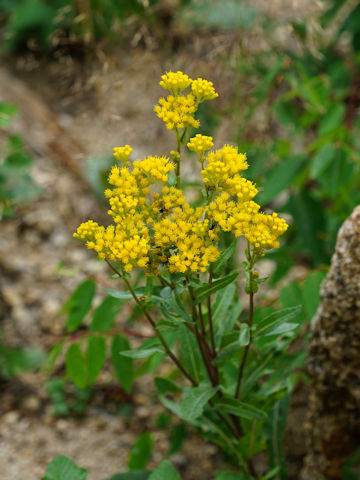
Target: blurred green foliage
<point x="16" y="184"/>
<point x="41" y="24"/>
<point x="14" y="361"/>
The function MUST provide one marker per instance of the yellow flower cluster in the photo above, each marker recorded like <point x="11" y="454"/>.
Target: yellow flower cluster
<point x="200" y="144"/>
<point x="154" y="226"/>
<point x="222" y="173"/>
<point x="154" y="168"/>
<point x="244" y="219"/>
<point x="177" y="110"/>
<point x="203" y="90"/>
<point x="122" y="154"/>
<point x="175" y="82"/>
<point x="189" y="234"/>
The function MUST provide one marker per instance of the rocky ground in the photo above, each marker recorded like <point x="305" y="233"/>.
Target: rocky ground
<point x="73" y="110"/>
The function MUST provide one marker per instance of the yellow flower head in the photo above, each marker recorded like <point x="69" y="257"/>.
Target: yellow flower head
<point x="200" y="144"/>
<point x="122" y="154"/>
<point x="203" y="90"/>
<point x="155" y="168"/>
<point x="177" y="111"/>
<point x="175" y="82"/>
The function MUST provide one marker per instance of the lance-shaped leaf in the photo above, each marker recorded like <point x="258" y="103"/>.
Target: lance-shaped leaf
<point x="270" y="325"/>
<point x="195" y="400"/>
<point x="205" y="291"/>
<point x="79" y="304"/>
<point x="123" y="366"/>
<point x="236" y="407"/>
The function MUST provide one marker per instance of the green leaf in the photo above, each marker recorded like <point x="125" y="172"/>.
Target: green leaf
<point x="7" y="111"/>
<point x="123" y="365"/>
<point x="18" y="160"/>
<point x="177" y="437"/>
<point x="195" y="400"/>
<point x="62" y="468"/>
<point x="76" y="365"/>
<point x="309" y="217"/>
<point x="165" y="471"/>
<point x="79" y="304"/>
<point x="273" y="430"/>
<point x="222" y="304"/>
<point x="52" y="357"/>
<point x="281" y="177"/>
<point x="219" y="264"/>
<point x="164" y="385"/>
<point x="322" y="160"/>
<point x="333" y="118"/>
<point x="244" y="337"/>
<point x="235" y="407"/>
<point x="311" y="293"/>
<point x="105" y="314"/>
<point x="142" y="352"/>
<point x="190" y="353"/>
<point x="205" y="291"/>
<point x="125" y="295"/>
<point x="270" y="324"/>
<point x="144" y="475"/>
<point x="95" y="356"/>
<point x="172" y="306"/>
<point x="141" y="451"/>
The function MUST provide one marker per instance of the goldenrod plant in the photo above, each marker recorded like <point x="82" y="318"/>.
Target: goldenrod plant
<point x="236" y="372"/>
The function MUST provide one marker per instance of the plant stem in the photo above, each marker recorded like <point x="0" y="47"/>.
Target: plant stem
<point x="153" y="324"/>
<point x="212" y="338"/>
<point x="250" y="322"/>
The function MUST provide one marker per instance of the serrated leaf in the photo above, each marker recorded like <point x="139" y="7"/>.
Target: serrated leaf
<point x="123" y="365"/>
<point x="268" y="325"/>
<point x="221" y="262"/>
<point x="195" y="400"/>
<point x="141" y="451"/>
<point x="238" y="408"/>
<point x="79" y="304"/>
<point x="95" y="357"/>
<point x="62" y="468"/>
<point x="76" y="365"/>
<point x="105" y="314"/>
<point x="165" y="471"/>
